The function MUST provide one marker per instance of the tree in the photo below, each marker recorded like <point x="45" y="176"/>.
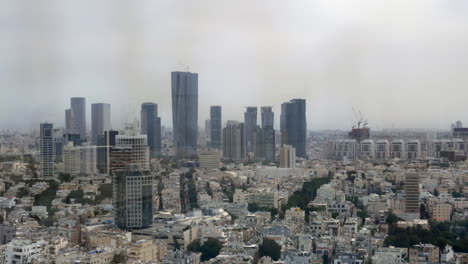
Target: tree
<point x="423" y="214"/>
<point x="362" y="214"/>
<point x="325" y="258"/>
<point x="209" y="249"/>
<point x="194" y="246"/>
<point x="270" y="248"/>
<point x="22" y="192"/>
<point x="392" y="219"/>
<point x="65" y="177"/>
<point x="208" y="189"/>
<point x="119" y="258"/>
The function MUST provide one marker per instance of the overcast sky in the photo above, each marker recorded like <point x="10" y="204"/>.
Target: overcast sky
<point x="403" y="63"/>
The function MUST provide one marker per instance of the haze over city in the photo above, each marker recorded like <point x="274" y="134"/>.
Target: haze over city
<point x="402" y="63"/>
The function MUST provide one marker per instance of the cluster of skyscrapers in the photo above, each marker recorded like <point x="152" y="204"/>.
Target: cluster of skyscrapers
<point x="125" y="154"/>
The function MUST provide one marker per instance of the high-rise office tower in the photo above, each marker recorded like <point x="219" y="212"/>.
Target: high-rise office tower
<point x="105" y="143"/>
<point x="234" y="142"/>
<point x="68" y="120"/>
<point x="100" y="120"/>
<point x="268" y="133"/>
<point x="133" y="198"/>
<point x="268" y="117"/>
<point x="58" y="145"/>
<point x="185" y="112"/>
<point x="138" y="146"/>
<point x="215" y="125"/>
<point x="151" y="126"/>
<point x="47" y="149"/>
<point x="250" y="119"/>
<point x="259" y="143"/>
<point x="412" y="192"/>
<point x="208" y="130"/>
<point x="287" y="157"/>
<point x="294" y="125"/>
<point x="78" y="116"/>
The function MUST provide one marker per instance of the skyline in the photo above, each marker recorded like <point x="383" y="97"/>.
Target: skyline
<point x="383" y="59"/>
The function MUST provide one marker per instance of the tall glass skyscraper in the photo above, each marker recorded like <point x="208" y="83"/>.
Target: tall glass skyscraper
<point x="294" y="125"/>
<point x="185" y="112"/>
<point x="47" y="149"/>
<point x="133" y="198"/>
<point x="250" y="119"/>
<point x="215" y="126"/>
<point x="100" y="121"/>
<point x="268" y="133"/>
<point x="151" y="126"/>
<point x="78" y="116"/>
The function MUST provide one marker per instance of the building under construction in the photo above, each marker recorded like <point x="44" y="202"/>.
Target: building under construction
<point x="358" y="132"/>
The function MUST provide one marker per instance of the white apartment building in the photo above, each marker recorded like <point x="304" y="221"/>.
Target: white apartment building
<point x="345" y="149"/>
<point x="413" y="149"/>
<point x="22" y="251"/>
<point x="367" y="149"/>
<point x="382" y="149"/>
<point x="398" y="149"/>
<point x="80" y="160"/>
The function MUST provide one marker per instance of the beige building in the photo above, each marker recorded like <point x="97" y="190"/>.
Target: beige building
<point x="147" y="250"/>
<point x="412" y="192"/>
<point x="209" y="159"/>
<point x="295" y="214"/>
<point x="424" y="253"/>
<point x="441" y="212"/>
<point x="287" y="157"/>
<point x="98" y="257"/>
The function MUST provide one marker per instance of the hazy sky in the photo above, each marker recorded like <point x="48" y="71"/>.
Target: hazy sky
<point x="403" y="63"/>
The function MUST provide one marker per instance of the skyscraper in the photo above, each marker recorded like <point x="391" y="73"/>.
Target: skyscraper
<point x="105" y="143"/>
<point x="294" y="125"/>
<point x="268" y="133"/>
<point x="68" y="120"/>
<point x="185" y="112"/>
<point x="215" y="119"/>
<point x="250" y="119"/>
<point x="139" y="150"/>
<point x="100" y="121"/>
<point x="234" y="142"/>
<point x="47" y="149"/>
<point x="133" y="198"/>
<point x="268" y="117"/>
<point x="151" y="126"/>
<point x="412" y="193"/>
<point x="78" y="116"/>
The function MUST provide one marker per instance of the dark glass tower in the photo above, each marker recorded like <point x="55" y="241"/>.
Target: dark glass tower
<point x="250" y="120"/>
<point x="100" y="121"/>
<point x="185" y="112"/>
<point x="268" y="133"/>
<point x="294" y="125"/>
<point x="151" y="126"/>
<point x="47" y="149"/>
<point x="215" y="120"/>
